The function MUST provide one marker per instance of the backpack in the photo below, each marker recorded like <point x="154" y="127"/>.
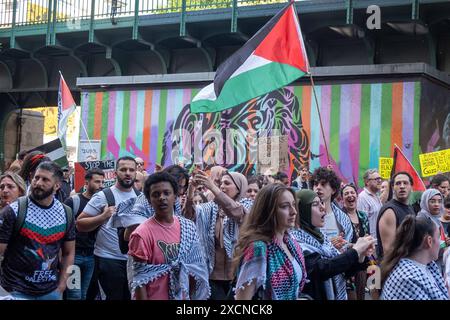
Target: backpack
<point x="123" y="244"/>
<point x="22" y="212"/>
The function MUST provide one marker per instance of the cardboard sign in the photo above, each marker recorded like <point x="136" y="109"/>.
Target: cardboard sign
<point x="435" y="162"/>
<point x="89" y="150"/>
<point x="273" y="154"/>
<point x="385" y="167"/>
<point x="108" y="167"/>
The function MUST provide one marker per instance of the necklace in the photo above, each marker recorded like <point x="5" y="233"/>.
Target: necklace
<point x="165" y="226"/>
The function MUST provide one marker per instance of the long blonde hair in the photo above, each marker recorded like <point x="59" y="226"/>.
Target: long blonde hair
<point x="260" y="224"/>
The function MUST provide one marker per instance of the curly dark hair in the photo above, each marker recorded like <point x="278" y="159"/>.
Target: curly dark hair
<point x="327" y="175"/>
<point x="156" y="178"/>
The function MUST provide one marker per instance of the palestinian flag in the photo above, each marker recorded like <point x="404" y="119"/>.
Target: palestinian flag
<point x="401" y="163"/>
<point x="273" y="58"/>
<point x="55" y="151"/>
<point x="66" y="106"/>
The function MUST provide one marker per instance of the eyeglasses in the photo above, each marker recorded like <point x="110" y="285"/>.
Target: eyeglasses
<point x="140" y="163"/>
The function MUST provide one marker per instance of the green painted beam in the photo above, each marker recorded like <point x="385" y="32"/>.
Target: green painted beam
<point x="136" y="20"/>
<point x="349" y="8"/>
<point x="92" y="22"/>
<point x="183" y="19"/>
<point x="12" y="41"/>
<point x="234" y="16"/>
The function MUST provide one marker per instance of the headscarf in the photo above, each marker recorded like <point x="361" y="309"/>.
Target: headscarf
<point x="304" y="200"/>
<point x="425" y="210"/>
<point x="240" y="182"/>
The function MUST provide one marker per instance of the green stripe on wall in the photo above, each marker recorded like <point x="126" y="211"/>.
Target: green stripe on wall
<point x="91" y="115"/>
<point x="298" y="92"/>
<point x="161" y="124"/>
<point x="386" y="120"/>
<point x="334" y="121"/>
<point x="416" y="143"/>
<point x="104" y="130"/>
<point x="364" y="132"/>
<point x="126" y="120"/>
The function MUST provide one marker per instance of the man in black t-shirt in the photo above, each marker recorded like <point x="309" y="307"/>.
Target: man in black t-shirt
<point x="32" y="235"/>
<point x="394" y="211"/>
<point x="84" y="245"/>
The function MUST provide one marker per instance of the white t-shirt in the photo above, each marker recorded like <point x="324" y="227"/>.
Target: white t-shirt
<point x="330" y="228"/>
<point x="107" y="242"/>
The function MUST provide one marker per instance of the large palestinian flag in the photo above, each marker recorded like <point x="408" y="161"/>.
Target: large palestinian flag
<point x="273" y="58"/>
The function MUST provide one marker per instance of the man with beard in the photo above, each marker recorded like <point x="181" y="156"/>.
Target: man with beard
<point x="84" y="245"/>
<point x="110" y="263"/>
<point x="35" y="229"/>
<point x="394" y="211"/>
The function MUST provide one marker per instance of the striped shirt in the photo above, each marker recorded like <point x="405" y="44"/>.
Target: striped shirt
<point x="371" y="204"/>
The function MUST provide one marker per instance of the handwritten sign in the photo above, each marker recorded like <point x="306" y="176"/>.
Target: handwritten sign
<point x="107" y="166"/>
<point x="273" y="155"/>
<point x="385" y="167"/>
<point x="89" y="150"/>
<point x="435" y="162"/>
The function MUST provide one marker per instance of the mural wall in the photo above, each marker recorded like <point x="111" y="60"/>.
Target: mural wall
<point x="361" y="123"/>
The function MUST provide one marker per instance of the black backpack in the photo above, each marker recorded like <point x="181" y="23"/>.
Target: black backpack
<point x="22" y="212"/>
<point x="123" y="244"/>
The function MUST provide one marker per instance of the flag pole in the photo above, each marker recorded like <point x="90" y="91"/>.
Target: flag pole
<point x="81" y="120"/>
<point x="292" y="2"/>
<point x="320" y="117"/>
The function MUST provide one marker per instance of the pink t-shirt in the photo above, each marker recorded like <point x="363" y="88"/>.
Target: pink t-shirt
<point x="156" y="243"/>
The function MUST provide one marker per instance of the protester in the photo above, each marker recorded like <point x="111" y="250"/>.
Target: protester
<point x="37" y="236"/>
<point x="384" y="192"/>
<point x="168" y="261"/>
<point x="85" y="241"/>
<point x="140" y="166"/>
<point x="326" y="267"/>
<point x="270" y="261"/>
<point x="360" y="222"/>
<point x="215" y="174"/>
<point x="139" y="182"/>
<point x="394" y="211"/>
<point x="282" y="178"/>
<point x="442" y="183"/>
<point x="254" y="185"/>
<point x="408" y="271"/>
<point x="445" y="218"/>
<point x="303" y="180"/>
<point x="199" y="198"/>
<point x="218" y="224"/>
<point x="337" y="226"/>
<point x="110" y="262"/>
<point x="432" y="207"/>
<point x="12" y="186"/>
<point x="29" y="165"/>
<point x="369" y="201"/>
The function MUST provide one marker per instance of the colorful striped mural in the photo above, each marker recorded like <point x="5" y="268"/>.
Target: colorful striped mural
<point x="361" y="123"/>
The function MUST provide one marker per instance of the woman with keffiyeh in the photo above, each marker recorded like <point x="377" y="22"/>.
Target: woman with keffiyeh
<point x="270" y="262"/>
<point x="325" y="265"/>
<point x="218" y="224"/>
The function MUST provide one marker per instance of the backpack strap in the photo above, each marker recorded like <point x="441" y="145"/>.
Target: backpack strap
<point x="69" y="216"/>
<point x="109" y="197"/>
<point x="136" y="191"/>
<point x="21" y="213"/>
<point x="76" y="203"/>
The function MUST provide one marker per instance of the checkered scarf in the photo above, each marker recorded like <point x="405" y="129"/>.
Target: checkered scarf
<point x="335" y="287"/>
<point x="272" y="269"/>
<point x="206" y="217"/>
<point x="190" y="262"/>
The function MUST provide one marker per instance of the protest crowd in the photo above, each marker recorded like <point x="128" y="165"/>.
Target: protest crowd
<point x="209" y="233"/>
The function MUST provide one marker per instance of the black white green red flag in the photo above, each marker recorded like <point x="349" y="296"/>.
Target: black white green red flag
<point x="273" y="58"/>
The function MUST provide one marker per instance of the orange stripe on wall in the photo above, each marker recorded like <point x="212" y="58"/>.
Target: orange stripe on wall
<point x="98" y="116"/>
<point x="147" y="122"/>
<point x="306" y="109"/>
<point x="397" y="117"/>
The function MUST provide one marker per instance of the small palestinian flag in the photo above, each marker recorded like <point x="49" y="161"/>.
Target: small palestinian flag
<point x="66" y="106"/>
<point x="401" y="163"/>
<point x="55" y="151"/>
<point x="273" y="58"/>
